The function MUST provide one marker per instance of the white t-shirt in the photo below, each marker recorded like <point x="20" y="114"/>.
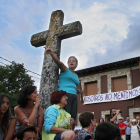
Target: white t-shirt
<point x="134" y="129"/>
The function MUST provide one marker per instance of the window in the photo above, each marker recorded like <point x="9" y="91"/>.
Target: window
<point x="135" y="77"/>
<point x="91" y="88"/>
<point x="104" y="87"/>
<point x="119" y="84"/>
<point x="106" y="117"/>
<point x="136" y="114"/>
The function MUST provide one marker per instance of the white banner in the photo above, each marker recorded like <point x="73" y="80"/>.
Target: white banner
<point x="114" y="96"/>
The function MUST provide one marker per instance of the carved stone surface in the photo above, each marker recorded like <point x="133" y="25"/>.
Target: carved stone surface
<point x="52" y="38"/>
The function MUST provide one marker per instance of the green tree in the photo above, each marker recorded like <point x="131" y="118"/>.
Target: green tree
<point x="12" y="78"/>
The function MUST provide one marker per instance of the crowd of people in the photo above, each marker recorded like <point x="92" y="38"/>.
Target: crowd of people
<point x="30" y="122"/>
<point x="128" y="130"/>
<point x="58" y="121"/>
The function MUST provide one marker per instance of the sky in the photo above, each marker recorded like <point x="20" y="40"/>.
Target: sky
<point x="111" y="31"/>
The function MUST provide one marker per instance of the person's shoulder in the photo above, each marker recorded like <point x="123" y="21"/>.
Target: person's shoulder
<point x="41" y="110"/>
<point x="12" y="117"/>
<point x="84" y="135"/>
<point x="17" y="108"/>
<point x="109" y="118"/>
<point x="52" y="108"/>
<point x="124" y="124"/>
<point x="88" y="137"/>
<point x="66" y="113"/>
<point x="83" y="131"/>
<point x="67" y="70"/>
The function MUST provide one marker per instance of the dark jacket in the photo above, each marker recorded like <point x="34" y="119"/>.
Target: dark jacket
<point x="83" y="135"/>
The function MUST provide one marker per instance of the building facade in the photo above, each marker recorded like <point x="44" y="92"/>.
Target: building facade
<point x="107" y="78"/>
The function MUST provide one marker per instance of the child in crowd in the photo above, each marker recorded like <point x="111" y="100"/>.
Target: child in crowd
<point x="26" y="132"/>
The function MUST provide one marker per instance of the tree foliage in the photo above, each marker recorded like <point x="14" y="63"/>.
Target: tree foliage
<point x="12" y="78"/>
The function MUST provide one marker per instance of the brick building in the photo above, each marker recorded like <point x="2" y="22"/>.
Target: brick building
<point x="107" y="78"/>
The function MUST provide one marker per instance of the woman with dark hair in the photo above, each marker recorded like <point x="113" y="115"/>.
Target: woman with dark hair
<point x="68" y="81"/>
<point x="57" y="121"/>
<point x="7" y="122"/>
<point x="101" y="120"/>
<point x="28" y="110"/>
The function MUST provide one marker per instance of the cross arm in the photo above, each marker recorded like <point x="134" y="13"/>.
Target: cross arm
<point x="63" y="32"/>
<point x="70" y="30"/>
<point x="39" y="39"/>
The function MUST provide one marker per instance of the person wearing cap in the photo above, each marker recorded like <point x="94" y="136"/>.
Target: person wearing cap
<point x="57" y="121"/>
<point x="122" y="127"/>
<point x="134" y="130"/>
<point x="128" y="130"/>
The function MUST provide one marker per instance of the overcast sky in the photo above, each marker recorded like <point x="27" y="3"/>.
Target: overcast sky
<point x="111" y="31"/>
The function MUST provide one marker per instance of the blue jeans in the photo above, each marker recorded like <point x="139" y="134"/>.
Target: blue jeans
<point x="57" y="136"/>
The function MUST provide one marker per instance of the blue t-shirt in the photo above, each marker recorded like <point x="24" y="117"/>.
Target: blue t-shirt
<point x="50" y="118"/>
<point x="68" y="81"/>
<point x="128" y="129"/>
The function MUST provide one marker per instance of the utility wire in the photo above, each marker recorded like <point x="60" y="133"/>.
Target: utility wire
<point x="25" y="69"/>
<point x="5" y="59"/>
<point x="3" y="63"/>
<point x="35" y="77"/>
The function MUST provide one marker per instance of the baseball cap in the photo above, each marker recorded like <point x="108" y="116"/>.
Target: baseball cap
<point x="120" y="118"/>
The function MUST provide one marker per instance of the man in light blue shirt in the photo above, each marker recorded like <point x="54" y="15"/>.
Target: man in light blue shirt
<point x="128" y="129"/>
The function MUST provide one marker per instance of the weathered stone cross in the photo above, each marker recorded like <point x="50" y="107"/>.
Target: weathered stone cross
<point x="52" y="38"/>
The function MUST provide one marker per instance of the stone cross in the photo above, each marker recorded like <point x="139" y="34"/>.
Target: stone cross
<point x="52" y="39"/>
